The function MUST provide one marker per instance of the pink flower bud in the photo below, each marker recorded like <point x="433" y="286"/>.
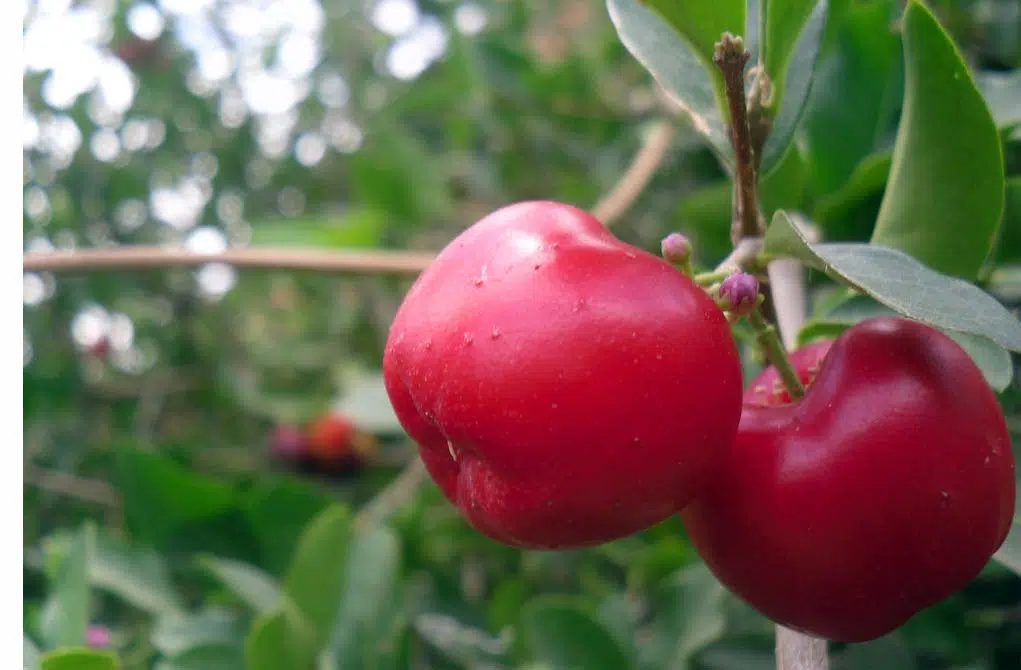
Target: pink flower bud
<point x="289" y="442"/>
<point x="676" y="249"/>
<point x="98" y="637"/>
<point x="739" y="293"/>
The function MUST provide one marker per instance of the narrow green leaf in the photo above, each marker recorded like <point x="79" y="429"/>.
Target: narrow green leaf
<point x="868" y="178"/>
<point x="373" y="570"/>
<point x="79" y="659"/>
<point x="944" y="200"/>
<point x="703" y="23"/>
<point x="256" y="588"/>
<point x="214" y="657"/>
<point x="677" y="66"/>
<point x="139" y="576"/>
<point x="1010" y="553"/>
<point x="901" y="283"/>
<point x="281" y="639"/>
<point x="65" y="615"/>
<point x="785" y="20"/>
<point x="176" y="634"/>
<point x="315" y="579"/>
<point x="855" y="96"/>
<point x="563" y="635"/>
<point x="695" y="614"/>
<point x="1002" y="91"/>
<point x="793" y="84"/>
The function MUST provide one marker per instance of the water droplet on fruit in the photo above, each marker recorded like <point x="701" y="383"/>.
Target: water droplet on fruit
<point x="630" y="254"/>
<point x="945" y="499"/>
<point x="986" y="461"/>
<point x="428" y="345"/>
<point x="468" y="338"/>
<point x="537" y="266"/>
<point x="495" y="334"/>
<point x="554" y="405"/>
<point x="659" y="357"/>
<point x="478" y="282"/>
<point x="555" y="246"/>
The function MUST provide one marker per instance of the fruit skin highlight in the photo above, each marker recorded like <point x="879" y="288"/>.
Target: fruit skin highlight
<point x="883" y="491"/>
<point x="565" y="388"/>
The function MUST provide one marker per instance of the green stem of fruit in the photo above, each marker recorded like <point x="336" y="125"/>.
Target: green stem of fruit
<point x="713" y="277"/>
<point x="769" y="339"/>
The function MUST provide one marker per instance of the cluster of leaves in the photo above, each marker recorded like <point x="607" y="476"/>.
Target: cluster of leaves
<point x="895" y="134"/>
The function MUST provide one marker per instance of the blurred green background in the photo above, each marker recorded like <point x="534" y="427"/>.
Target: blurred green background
<point x="152" y="506"/>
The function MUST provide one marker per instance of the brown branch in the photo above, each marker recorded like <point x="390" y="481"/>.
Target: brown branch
<point x="638" y="174"/>
<point x="731" y="57"/>
<point x="141" y="258"/>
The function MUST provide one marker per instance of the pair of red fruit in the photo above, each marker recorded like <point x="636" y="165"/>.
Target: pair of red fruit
<point x="567" y="389"/>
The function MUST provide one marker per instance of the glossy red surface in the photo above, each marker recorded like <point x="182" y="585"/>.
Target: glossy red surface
<point x="886" y="489"/>
<point x="565" y="388"/>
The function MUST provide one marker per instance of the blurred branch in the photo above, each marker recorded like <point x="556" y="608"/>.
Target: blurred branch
<point x="73" y="486"/>
<point x="141" y="258"/>
<point x="638" y="175"/>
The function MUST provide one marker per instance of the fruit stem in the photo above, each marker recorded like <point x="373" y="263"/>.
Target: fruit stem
<point x="713" y="277"/>
<point x="769" y="339"/>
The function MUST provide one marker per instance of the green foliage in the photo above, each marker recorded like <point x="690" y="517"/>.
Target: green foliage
<point x="154" y="507"/>
<point x="944" y="199"/>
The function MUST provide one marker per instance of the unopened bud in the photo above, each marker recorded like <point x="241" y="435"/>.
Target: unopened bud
<point x="739" y="293"/>
<point x="676" y="249"/>
<point x="289" y="442"/>
<point x="98" y="637"/>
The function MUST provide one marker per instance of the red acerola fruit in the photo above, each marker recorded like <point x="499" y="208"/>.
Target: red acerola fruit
<point x="883" y="491"/>
<point x="565" y="388"/>
<point x="768" y="389"/>
<point x="330" y="438"/>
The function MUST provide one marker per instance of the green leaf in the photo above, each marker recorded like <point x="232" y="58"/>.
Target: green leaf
<point x="373" y="570"/>
<point x="215" y="657"/>
<point x="785" y="20"/>
<point x="944" y="200"/>
<point x="691" y="616"/>
<point x="703" y="23"/>
<point x="890" y="652"/>
<point x="677" y="66"/>
<point x="992" y="359"/>
<point x="358" y="228"/>
<point x="868" y="178"/>
<point x="30" y="653"/>
<point x="253" y="586"/>
<point x="466" y="645"/>
<point x="315" y="579"/>
<point x="161" y="496"/>
<point x="281" y="639"/>
<point x="792" y="79"/>
<point x="176" y="634"/>
<point x="65" y="615"/>
<point x="277" y="511"/>
<point x="1002" y="91"/>
<point x="79" y="659"/>
<point x="862" y="66"/>
<point x="901" y="283"/>
<point x="139" y="576"/>
<point x="1009" y="553"/>
<point x="564" y="635"/>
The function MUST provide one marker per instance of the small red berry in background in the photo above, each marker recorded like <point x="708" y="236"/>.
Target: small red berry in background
<point x="329" y="438"/>
<point x="883" y="491"/>
<point x="767" y="389"/>
<point x="565" y="388"/>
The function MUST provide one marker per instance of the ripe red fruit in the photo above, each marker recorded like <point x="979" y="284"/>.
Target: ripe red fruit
<point x="330" y="438"/>
<point x="883" y="491"/>
<point x="768" y="389"/>
<point x="565" y="388"/>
